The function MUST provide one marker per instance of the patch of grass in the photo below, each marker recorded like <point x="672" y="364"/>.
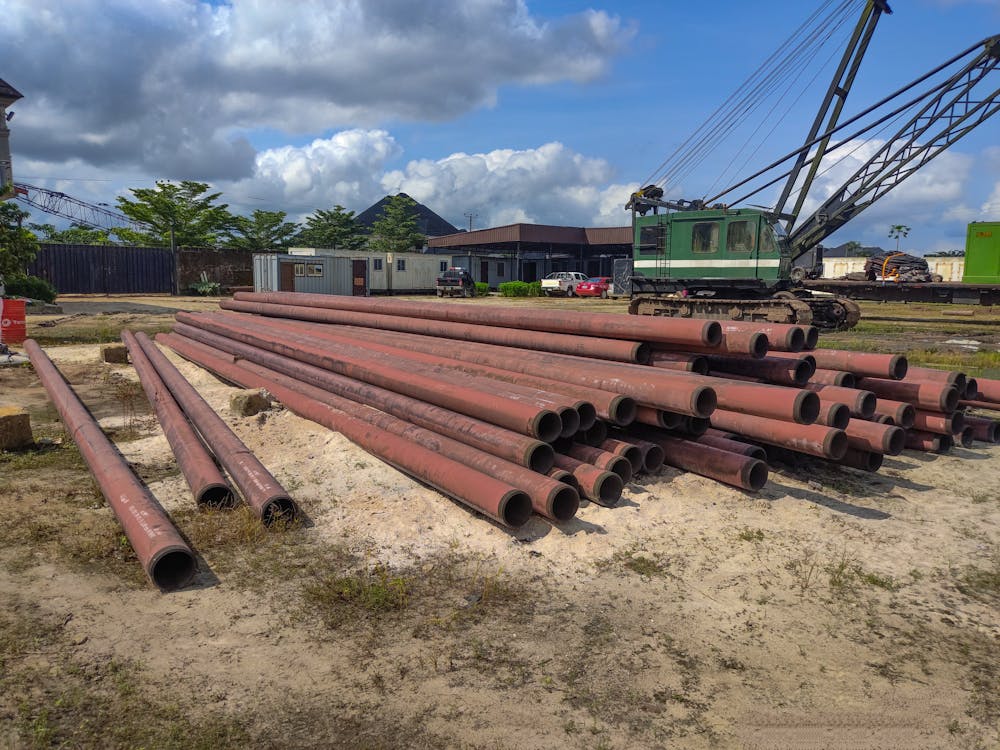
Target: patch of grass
<point x="843" y="573"/>
<point x="803" y="570"/>
<point x="338" y="598"/>
<point x="644" y="566"/>
<point x="879" y="581"/>
<point x="980" y="583"/>
<point x="750" y="535"/>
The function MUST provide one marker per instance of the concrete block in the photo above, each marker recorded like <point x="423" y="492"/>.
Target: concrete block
<point x="115" y="354"/>
<point x="15" y="428"/>
<point x="249" y="402"/>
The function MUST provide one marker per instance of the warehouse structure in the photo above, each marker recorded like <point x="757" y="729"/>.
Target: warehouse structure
<point x="352" y="272"/>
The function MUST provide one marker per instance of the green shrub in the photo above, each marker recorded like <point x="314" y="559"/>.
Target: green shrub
<point x="482" y="288"/>
<point x="514" y="289"/>
<point x="206" y="288"/>
<point x="535" y="289"/>
<point x="30" y="286"/>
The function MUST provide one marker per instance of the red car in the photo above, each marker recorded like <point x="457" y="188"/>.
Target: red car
<point x="599" y="286"/>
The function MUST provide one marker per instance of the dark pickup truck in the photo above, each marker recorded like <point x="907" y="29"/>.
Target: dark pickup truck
<point x="456" y="281"/>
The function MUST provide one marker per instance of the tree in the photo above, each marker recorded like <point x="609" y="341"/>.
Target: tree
<point x="263" y="231"/>
<point x="852" y="248"/>
<point x="395" y="231"/>
<point x="335" y="228"/>
<point x="896" y="231"/>
<point x="184" y="209"/>
<point x="77" y="234"/>
<point x="18" y="246"/>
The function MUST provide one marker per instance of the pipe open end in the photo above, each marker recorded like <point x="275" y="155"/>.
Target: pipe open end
<point x="759" y="344"/>
<point x="945" y="443"/>
<point x="795" y="339"/>
<point x="546" y="426"/>
<point x="643" y="353"/>
<point x="967" y="438"/>
<point x="670" y="420"/>
<point x="173" y="568"/>
<point x="847" y="380"/>
<point x="566" y="477"/>
<point x="894" y="441"/>
<point x="623" y="410"/>
<point x="570" y="419"/>
<point x="540" y="457"/>
<point x="906" y="415"/>
<point x="597" y="434"/>
<point x="949" y="399"/>
<point x="697" y="426"/>
<point x="633" y="454"/>
<point x="754" y="475"/>
<point x="703" y="401"/>
<point x="802" y="371"/>
<point x="608" y="489"/>
<point x="654" y="458"/>
<point x="217" y="496"/>
<point x="755" y="451"/>
<point x="711" y="333"/>
<point x="883" y="419"/>
<point x="961" y="382"/>
<point x="515" y="508"/>
<point x="698" y="365"/>
<point x="805" y="408"/>
<point x="622" y="467"/>
<point x="838" y="416"/>
<point x="835" y="444"/>
<point x="957" y="423"/>
<point x="993" y="433"/>
<point x="812" y="337"/>
<point x="587" y="414"/>
<point x="278" y="509"/>
<point x="564" y="504"/>
<point x="898" y="365"/>
<point x="866" y="404"/>
<point x="971" y="389"/>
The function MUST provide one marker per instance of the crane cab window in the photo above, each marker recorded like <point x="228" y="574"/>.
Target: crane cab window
<point x="705" y="237"/>
<point x="649" y="240"/>
<point x="768" y="241"/>
<point x="740" y="236"/>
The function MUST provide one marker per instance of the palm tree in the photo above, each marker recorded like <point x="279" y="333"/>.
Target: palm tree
<point x="897" y="231"/>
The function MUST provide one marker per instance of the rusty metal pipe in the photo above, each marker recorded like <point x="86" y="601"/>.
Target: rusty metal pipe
<point x="780" y="336"/>
<point x="943" y="424"/>
<point x="492" y="497"/>
<point x="561" y="475"/>
<point x="861" y="459"/>
<point x="930" y="396"/>
<point x="629" y="451"/>
<point x="261" y="491"/>
<point x="601" y="459"/>
<point x="652" y="454"/>
<point x="989" y="390"/>
<point x="581" y="346"/>
<point x="518" y="448"/>
<point x="763" y="400"/>
<point x="594" y="435"/>
<point x="734" y="469"/>
<point x="732" y="446"/>
<point x="861" y="403"/>
<point x="680" y="361"/>
<point x="195" y="461"/>
<point x="775" y="370"/>
<point x="875" y="437"/>
<point x="528" y="419"/>
<point x="890" y="366"/>
<point x="988" y="405"/>
<point x="918" y="440"/>
<point x="597" y="485"/>
<point x="902" y="413"/>
<point x="833" y="414"/>
<point x="985" y="430"/>
<point x="931" y="375"/>
<point x="650" y="415"/>
<point x="971" y="388"/>
<point x="838" y="378"/>
<point x="162" y="552"/>
<point x="882" y="419"/>
<point x="634" y="327"/>
<point x="750" y="343"/>
<point x="967" y="437"/>
<point x="814" y="439"/>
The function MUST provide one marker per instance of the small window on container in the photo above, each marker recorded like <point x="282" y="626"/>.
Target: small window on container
<point x="376" y="264"/>
<point x="705" y="237"/>
<point x="444" y="266"/>
<point x="740" y="236"/>
<point x="400" y="264"/>
<point x="314" y="269"/>
<point x="300" y="269"/>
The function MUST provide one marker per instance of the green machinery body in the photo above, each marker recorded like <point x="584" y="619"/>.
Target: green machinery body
<point x="982" y="253"/>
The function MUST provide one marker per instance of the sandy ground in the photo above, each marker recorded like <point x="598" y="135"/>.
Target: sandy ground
<point x="833" y="609"/>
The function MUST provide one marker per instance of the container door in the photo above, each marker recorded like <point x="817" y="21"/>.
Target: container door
<point x="286" y="281"/>
<point x="359" y="274"/>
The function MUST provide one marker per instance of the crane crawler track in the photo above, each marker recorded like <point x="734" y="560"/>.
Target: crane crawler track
<point x="828" y="314"/>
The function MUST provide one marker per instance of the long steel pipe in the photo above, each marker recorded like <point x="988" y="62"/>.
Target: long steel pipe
<point x="634" y="327"/>
<point x="602" y="459"/>
<point x="838" y="378"/>
<point x="652" y="454"/>
<point x="781" y="336"/>
<point x="696" y="363"/>
<point x="890" y="366"/>
<point x="528" y="419"/>
<point x="736" y="469"/>
<point x="597" y="485"/>
<point x="492" y="497"/>
<point x="931" y="375"/>
<point x="195" y="461"/>
<point x="814" y="439"/>
<point x="561" y="343"/>
<point x="862" y="459"/>
<point x="261" y="491"/>
<point x="875" y="437"/>
<point x="930" y="396"/>
<point x="918" y="440"/>
<point x="748" y="343"/>
<point x="902" y="413"/>
<point x="833" y="414"/>
<point x="732" y="446"/>
<point x="861" y="403"/>
<point x="986" y="430"/>
<point x="162" y="552"/>
<point x="772" y="369"/>
<point x="989" y="390"/>
<point x="516" y="447"/>
<point x="943" y="424"/>
<point x="764" y="400"/>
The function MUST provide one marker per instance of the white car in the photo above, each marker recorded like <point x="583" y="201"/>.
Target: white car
<point x="562" y="282"/>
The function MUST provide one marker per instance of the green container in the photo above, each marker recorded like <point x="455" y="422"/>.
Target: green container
<point x="982" y="253"/>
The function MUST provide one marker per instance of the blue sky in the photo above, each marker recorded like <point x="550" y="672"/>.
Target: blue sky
<point x="518" y="111"/>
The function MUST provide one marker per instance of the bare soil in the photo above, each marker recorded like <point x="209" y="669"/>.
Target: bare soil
<point x="831" y="609"/>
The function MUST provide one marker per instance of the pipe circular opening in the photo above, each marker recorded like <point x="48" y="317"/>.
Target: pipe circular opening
<point x="587" y="414"/>
<point x="812" y="337"/>
<point x="698" y="426"/>
<point x="654" y="459"/>
<point x="622" y="467"/>
<point x="894" y="441"/>
<point x="759" y="345"/>
<point x="967" y="437"/>
<point x="805" y="408"/>
<point x="633" y="454"/>
<point x="515" y="508"/>
<point x="570" y="420"/>
<point x="597" y="434"/>
<point x="960" y="382"/>
<point x="217" y="496"/>
<point x="883" y="419"/>
<point x="874" y="461"/>
<point x="699" y="364"/>
<point x="278" y="509"/>
<point x="957" y="423"/>
<point x="669" y="420"/>
<point x="946" y="444"/>
<point x="906" y="415"/>
<point x="703" y="401"/>
<point x="795" y="339"/>
<point x="623" y="410"/>
<point x="993" y="433"/>
<point x="173" y="569"/>
<point x="566" y="477"/>
<point x="754" y="475"/>
<point x="835" y="444"/>
<point x="839" y="416"/>
<point x="866" y="404"/>
<point x="898" y="366"/>
<point x="540" y="457"/>
<point x="801" y="372"/>
<point x="608" y="489"/>
<point x="643" y="353"/>
<point x="847" y="380"/>
<point x="755" y="451"/>
<point x="711" y="333"/>
<point x="971" y="389"/>
<point x="949" y="399"/>
<point x="564" y="504"/>
<point x="546" y="426"/>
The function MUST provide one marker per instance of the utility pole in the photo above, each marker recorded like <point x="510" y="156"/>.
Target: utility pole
<point x="470" y="215"/>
